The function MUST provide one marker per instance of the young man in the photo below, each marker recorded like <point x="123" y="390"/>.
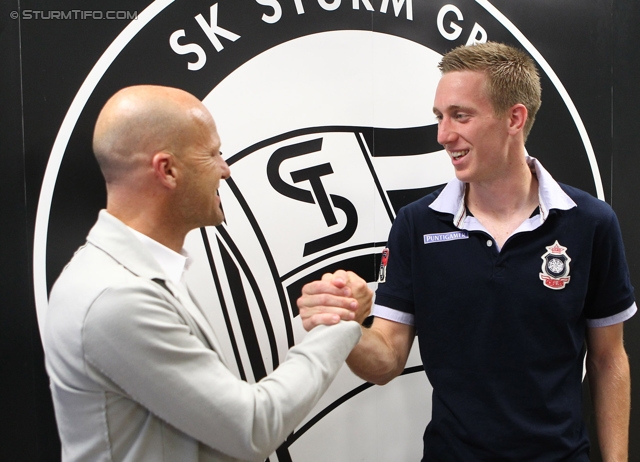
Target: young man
<point x="503" y="274"/>
<point x="136" y="371"/>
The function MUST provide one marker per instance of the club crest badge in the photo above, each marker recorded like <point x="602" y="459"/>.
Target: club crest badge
<point x="382" y="275"/>
<point x="555" y="267"/>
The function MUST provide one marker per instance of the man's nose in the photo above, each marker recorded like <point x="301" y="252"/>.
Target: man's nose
<point x="226" y="171"/>
<point x="445" y="133"/>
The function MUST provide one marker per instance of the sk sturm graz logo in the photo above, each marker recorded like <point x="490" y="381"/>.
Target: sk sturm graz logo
<point x="324" y="111"/>
<point x="317" y="195"/>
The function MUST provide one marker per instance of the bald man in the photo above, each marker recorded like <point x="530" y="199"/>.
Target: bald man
<point x="136" y="371"/>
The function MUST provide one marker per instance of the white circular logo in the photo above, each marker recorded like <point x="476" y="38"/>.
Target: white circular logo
<point x="324" y="111"/>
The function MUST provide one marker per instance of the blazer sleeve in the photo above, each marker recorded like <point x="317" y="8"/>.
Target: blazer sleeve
<point x="137" y="340"/>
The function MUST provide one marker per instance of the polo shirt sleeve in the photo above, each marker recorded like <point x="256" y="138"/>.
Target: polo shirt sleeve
<point x="394" y="295"/>
<point x="610" y="297"/>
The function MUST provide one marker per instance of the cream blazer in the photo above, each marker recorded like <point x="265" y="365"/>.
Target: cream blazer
<point x="137" y="374"/>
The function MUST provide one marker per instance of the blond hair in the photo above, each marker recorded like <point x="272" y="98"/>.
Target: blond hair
<point x="512" y="76"/>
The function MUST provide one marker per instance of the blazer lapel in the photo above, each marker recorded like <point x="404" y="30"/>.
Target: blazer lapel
<point x="113" y="237"/>
<point x="187" y="301"/>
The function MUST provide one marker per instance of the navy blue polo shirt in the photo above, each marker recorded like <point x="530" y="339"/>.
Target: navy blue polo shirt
<point x="502" y="331"/>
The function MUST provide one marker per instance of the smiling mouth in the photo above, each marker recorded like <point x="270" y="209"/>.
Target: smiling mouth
<point x="455" y="155"/>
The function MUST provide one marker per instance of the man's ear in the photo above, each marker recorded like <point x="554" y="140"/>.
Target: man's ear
<point x="518" y="115"/>
<point x="165" y="168"/>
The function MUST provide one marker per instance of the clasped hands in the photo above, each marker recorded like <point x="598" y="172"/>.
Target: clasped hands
<point x="341" y="295"/>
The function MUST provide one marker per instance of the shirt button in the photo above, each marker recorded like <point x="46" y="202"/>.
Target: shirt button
<point x="489" y="243"/>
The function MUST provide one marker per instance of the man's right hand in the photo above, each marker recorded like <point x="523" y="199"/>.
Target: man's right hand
<point x="341" y="295"/>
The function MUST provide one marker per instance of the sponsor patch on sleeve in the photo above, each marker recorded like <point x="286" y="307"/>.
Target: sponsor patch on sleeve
<point x="382" y="274"/>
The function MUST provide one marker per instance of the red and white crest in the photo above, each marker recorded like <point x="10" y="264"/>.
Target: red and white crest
<point x="555" y="267"/>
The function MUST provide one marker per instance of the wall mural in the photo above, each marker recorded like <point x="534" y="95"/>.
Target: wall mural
<point x="324" y="111"/>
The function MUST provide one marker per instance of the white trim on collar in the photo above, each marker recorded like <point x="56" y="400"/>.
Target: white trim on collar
<point x="550" y="195"/>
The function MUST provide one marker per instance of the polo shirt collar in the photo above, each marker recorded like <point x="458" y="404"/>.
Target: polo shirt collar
<point x="173" y="264"/>
<point x="550" y="195"/>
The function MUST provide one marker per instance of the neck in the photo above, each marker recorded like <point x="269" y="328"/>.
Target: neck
<point x="503" y="205"/>
<point x="516" y="190"/>
<point x="158" y="227"/>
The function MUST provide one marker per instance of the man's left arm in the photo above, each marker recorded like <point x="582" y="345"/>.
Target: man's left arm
<point x="610" y="384"/>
